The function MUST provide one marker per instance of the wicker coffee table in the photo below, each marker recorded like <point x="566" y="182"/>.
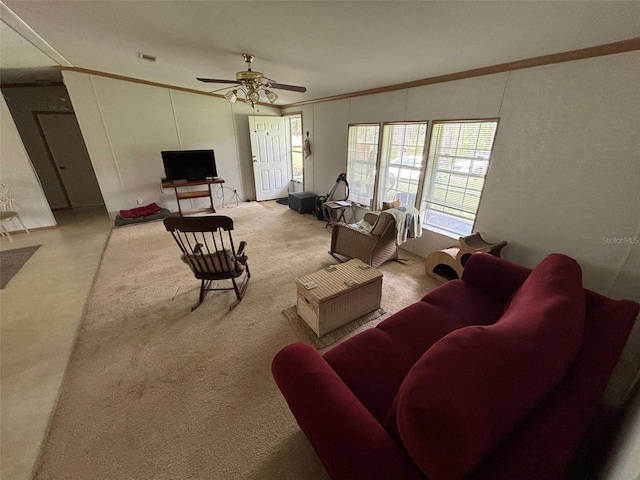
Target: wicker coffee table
<point x="333" y="296"/>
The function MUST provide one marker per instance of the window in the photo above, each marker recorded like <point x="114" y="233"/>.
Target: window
<point x="295" y="135"/>
<point x="362" y="157"/>
<point x="458" y="161"/>
<point x="402" y="161"/>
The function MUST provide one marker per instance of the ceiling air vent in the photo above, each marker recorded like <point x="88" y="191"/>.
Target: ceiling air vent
<point x="147" y="57"/>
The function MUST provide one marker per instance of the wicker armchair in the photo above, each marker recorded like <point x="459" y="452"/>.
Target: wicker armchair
<point x="373" y="248"/>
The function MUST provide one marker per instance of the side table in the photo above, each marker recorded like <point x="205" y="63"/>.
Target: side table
<point x="336" y="211"/>
<point x="195" y="193"/>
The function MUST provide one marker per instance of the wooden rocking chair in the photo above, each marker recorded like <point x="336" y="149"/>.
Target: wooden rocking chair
<point x="207" y="247"/>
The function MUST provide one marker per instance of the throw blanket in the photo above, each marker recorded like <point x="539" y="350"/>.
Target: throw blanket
<point x="160" y="214"/>
<point x="408" y="223"/>
<point x="140" y="211"/>
<point x="362" y="226"/>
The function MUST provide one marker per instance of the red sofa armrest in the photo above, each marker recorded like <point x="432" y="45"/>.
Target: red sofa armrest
<point x="347" y="438"/>
<point x="496" y="276"/>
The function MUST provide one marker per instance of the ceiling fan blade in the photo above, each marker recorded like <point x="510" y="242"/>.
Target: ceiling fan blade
<point x="293" y="88"/>
<point x="217" y="80"/>
<point x="221" y="89"/>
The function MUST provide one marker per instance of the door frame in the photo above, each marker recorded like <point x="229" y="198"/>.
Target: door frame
<point x="50" y="154"/>
<point x="36" y="117"/>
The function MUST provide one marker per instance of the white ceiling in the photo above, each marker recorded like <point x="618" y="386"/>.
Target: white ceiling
<point x="330" y="47"/>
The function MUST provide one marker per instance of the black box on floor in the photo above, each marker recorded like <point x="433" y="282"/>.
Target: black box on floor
<point x="303" y="202"/>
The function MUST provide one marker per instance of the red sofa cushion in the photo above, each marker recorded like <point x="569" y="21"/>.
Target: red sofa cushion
<point x="349" y="441"/>
<point x="472" y="388"/>
<point x="531" y="452"/>
<point x="375" y="362"/>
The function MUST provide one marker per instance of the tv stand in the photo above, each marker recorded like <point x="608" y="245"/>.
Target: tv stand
<point x="176" y="184"/>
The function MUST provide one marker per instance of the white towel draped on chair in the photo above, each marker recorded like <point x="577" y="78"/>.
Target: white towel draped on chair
<point x="408" y="222"/>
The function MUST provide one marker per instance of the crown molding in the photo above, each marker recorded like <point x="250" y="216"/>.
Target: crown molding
<point x="589" y="52"/>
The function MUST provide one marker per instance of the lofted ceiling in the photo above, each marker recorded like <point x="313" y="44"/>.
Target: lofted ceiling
<point x="332" y="48"/>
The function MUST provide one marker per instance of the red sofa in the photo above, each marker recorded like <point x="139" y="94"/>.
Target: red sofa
<point x="493" y="376"/>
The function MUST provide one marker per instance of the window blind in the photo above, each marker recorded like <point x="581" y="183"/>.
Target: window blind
<point x="362" y="156"/>
<point x="402" y="161"/>
<point x="458" y="161"/>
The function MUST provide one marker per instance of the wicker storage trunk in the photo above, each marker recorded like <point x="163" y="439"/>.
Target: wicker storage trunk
<point x="333" y="296"/>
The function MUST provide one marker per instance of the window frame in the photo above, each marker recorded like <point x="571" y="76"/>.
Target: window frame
<point x="431" y="178"/>
<point x="384" y="166"/>
<point x="287" y="118"/>
<point x="376" y="164"/>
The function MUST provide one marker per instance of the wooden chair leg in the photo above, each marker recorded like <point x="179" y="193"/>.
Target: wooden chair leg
<point x="240" y="290"/>
<point x="238" y="295"/>
<point x="236" y="289"/>
<point x="203" y="293"/>
<point x="23" y="226"/>
<point x="4" y="232"/>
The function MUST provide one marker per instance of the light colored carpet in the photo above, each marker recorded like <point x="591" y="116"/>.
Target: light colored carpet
<point x="307" y="335"/>
<point x="155" y="391"/>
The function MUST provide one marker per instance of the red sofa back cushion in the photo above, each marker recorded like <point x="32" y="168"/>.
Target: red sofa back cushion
<point x="475" y="385"/>
<point x="531" y="452"/>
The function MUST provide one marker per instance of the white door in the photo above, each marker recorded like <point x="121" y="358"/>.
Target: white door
<point x="65" y="143"/>
<point x="271" y="161"/>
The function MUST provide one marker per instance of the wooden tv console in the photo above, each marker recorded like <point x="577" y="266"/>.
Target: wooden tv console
<point x="194" y="193"/>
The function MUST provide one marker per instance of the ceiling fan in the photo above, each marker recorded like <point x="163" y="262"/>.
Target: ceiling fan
<point x="252" y="84"/>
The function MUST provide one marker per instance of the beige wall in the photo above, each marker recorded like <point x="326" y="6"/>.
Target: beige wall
<point x="126" y="125"/>
<point x="566" y="164"/>
<point x="17" y="171"/>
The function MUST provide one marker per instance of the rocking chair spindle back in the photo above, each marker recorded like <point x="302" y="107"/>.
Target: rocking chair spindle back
<point x="208" y="249"/>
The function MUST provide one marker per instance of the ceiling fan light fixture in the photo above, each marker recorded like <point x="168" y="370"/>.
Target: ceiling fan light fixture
<point x="253" y="97"/>
<point x="254" y="86"/>
<point x="271" y="95"/>
<point x="231" y="95"/>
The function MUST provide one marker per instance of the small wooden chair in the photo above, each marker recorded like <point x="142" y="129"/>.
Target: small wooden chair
<point x="7" y="212"/>
<point x="448" y="264"/>
<point x="207" y="247"/>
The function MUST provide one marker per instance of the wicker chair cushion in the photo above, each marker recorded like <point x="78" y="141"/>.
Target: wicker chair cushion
<point x="218" y="262"/>
<point x="388" y="205"/>
<point x="381" y="224"/>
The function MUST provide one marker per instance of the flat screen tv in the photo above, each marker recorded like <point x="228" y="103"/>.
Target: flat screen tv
<point x="189" y="164"/>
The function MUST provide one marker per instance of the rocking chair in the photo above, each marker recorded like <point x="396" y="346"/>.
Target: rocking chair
<point x="207" y="247"/>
